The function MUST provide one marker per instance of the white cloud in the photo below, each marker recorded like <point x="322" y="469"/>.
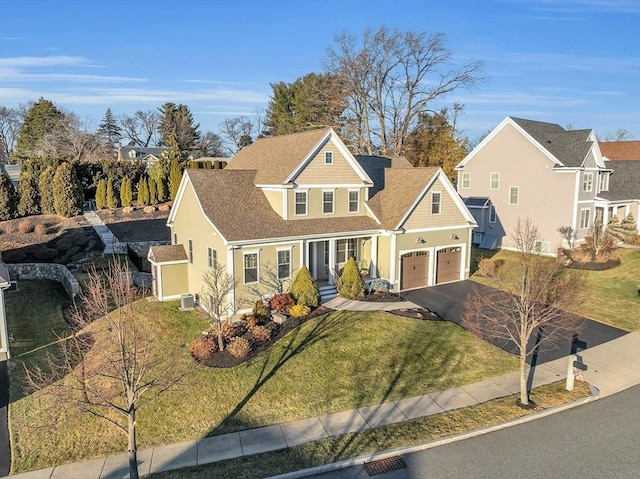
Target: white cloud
<point x="15" y="62"/>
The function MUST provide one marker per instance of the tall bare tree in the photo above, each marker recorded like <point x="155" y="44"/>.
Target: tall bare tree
<point x="238" y="132"/>
<point x="141" y="128"/>
<point x="72" y="139"/>
<point x="110" y="366"/>
<point x="529" y="306"/>
<point x="390" y="77"/>
<point x="10" y="121"/>
<point x="217" y="286"/>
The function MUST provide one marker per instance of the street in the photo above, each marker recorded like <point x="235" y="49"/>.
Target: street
<point x="597" y="440"/>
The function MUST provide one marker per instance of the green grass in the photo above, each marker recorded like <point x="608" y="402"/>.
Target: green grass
<point x="331" y="363"/>
<point x="383" y="438"/>
<point x="614" y="296"/>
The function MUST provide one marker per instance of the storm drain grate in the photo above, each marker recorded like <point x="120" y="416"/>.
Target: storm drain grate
<point x="385" y="465"/>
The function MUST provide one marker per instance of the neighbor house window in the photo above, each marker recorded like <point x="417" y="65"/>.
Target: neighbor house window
<point x="284" y="264"/>
<point x="542" y="247"/>
<point x="327" y="201"/>
<point x="354" y="201"/>
<point x="492" y="214"/>
<point x="190" y="251"/>
<point x="250" y="268"/>
<point x="212" y="257"/>
<point x="301" y="203"/>
<point x="585" y="217"/>
<point x="495" y="181"/>
<point x="604" y="182"/>
<point x="587" y="182"/>
<point x="513" y="195"/>
<point x="328" y="158"/>
<point x="346" y="249"/>
<point x="466" y="180"/>
<point x="132" y="154"/>
<point x="435" y="203"/>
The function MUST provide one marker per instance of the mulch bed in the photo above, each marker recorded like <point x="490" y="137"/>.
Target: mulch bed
<point x="137" y="226"/>
<point x="382" y="297"/>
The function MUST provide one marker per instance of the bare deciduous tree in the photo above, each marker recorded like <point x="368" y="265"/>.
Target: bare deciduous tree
<point x="10" y="121"/>
<point x="568" y="234"/>
<point x="529" y="308"/>
<point x="215" y="298"/>
<point x="110" y="366"/>
<point x="141" y="128"/>
<point x="238" y="131"/>
<point x="73" y="140"/>
<point x="390" y="77"/>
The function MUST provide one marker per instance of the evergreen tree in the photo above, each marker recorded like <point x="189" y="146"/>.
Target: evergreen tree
<point x="351" y="283"/>
<point x="45" y="185"/>
<point x="174" y="179"/>
<point x="162" y="189"/>
<point x="178" y="120"/>
<point x="28" y="195"/>
<point x="42" y="118"/>
<point x="101" y="194"/>
<point x="153" y="191"/>
<point x="126" y="195"/>
<point x="629" y="227"/>
<point x="109" y="131"/>
<point x="67" y="191"/>
<point x="304" y="288"/>
<point x="143" y="191"/>
<point x="112" y="197"/>
<point x="7" y="198"/>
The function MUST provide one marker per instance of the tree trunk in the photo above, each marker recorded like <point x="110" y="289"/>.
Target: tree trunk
<point x="133" y="448"/>
<point x="524" y="394"/>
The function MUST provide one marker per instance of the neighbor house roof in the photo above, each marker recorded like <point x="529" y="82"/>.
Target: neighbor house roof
<point x="275" y="158"/>
<point x="401" y="189"/>
<point x="167" y="253"/>
<point x="620" y="150"/>
<point x="570" y="147"/>
<point x="476" y="201"/>
<point x="624" y="182"/>
<point x="241" y="212"/>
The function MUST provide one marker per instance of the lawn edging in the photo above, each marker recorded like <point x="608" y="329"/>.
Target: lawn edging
<point x="377" y="456"/>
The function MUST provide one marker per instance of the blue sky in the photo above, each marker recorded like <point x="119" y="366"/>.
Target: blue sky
<point x="572" y="62"/>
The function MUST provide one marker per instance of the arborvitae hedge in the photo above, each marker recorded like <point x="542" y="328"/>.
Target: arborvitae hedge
<point x="45" y="185"/>
<point x="67" y="191"/>
<point x="28" y="195"/>
<point x="126" y="194"/>
<point x="174" y="179"/>
<point x="101" y="195"/>
<point x="143" y="192"/>
<point x="153" y="191"/>
<point x="304" y="288"/>
<point x="8" y="208"/>
<point x="112" y="197"/>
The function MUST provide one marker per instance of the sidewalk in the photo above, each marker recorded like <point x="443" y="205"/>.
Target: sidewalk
<point x="612" y="367"/>
<point x="111" y="243"/>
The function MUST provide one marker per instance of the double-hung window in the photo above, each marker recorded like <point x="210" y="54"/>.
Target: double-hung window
<point x="603" y="182"/>
<point x="301" y="203"/>
<point x="190" y="244"/>
<point x="585" y="218"/>
<point x="250" y="268"/>
<point x="346" y="249"/>
<point x="466" y="180"/>
<point x="327" y="202"/>
<point x="495" y="181"/>
<point x="436" y="198"/>
<point x="587" y="182"/>
<point x="284" y="263"/>
<point x="328" y="157"/>
<point x="212" y="257"/>
<point x="354" y="201"/>
<point x="513" y="195"/>
<point x="492" y="214"/>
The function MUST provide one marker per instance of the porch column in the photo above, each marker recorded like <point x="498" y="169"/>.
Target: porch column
<point x="232" y="293"/>
<point x="332" y="259"/>
<point x="314" y="255"/>
<point x="392" y="261"/>
<point x="605" y="216"/>
<point x="373" y="263"/>
<point x="303" y="255"/>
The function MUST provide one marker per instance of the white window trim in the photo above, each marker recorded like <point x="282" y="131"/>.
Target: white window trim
<point x="209" y="250"/>
<point x="244" y="275"/>
<point x="582" y="217"/>
<point x="333" y="202"/>
<point x="439" y="203"/>
<point x="517" y="195"/>
<point x="190" y="250"/>
<point x="466" y="175"/>
<point x="495" y="215"/>
<point x="603" y="182"/>
<point x="306" y="202"/>
<point x="357" y="192"/>
<point x="545" y="247"/>
<point x="289" y="249"/>
<point x="328" y="155"/>
<point x="587" y="187"/>
<point x="491" y="180"/>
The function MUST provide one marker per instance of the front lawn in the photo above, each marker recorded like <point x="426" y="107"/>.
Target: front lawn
<point x="614" y="298"/>
<point x="331" y="363"/>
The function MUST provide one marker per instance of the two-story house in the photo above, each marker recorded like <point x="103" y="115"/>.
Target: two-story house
<point x="304" y="199"/>
<point x="556" y="177"/>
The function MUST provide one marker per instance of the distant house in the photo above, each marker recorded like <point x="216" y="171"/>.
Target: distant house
<point x="12" y="171"/>
<point x="557" y="177"/>
<point x="304" y="200"/>
<point x="4" y="335"/>
<point x="146" y="154"/>
<point x="620" y="150"/>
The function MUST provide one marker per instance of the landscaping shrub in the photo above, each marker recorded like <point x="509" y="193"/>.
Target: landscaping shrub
<point x="203" y="348"/>
<point x="299" y="310"/>
<point x="229" y="331"/>
<point x="351" y="284"/>
<point x="380" y="285"/>
<point x="8" y="200"/>
<point x="101" y="195"/>
<point x="304" y="288"/>
<point x="261" y="333"/>
<point x="239" y="347"/>
<point x="282" y="303"/>
<point x="25" y="226"/>
<point x="260" y="310"/>
<point x="250" y="321"/>
<point x="67" y="191"/>
<point x="486" y="267"/>
<point x="40" y="230"/>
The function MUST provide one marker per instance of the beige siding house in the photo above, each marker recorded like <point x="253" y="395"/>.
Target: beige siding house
<point x="556" y="177"/>
<point x="304" y="199"/>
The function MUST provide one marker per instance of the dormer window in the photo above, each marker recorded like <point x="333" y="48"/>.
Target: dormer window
<point x="132" y="153"/>
<point x="328" y="157"/>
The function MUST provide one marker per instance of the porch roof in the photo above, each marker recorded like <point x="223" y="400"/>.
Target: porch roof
<point x="167" y="253"/>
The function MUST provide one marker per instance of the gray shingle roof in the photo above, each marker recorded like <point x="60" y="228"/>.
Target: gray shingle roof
<point x="569" y="147"/>
<point x="476" y="201"/>
<point x="374" y="167"/>
<point x="624" y="182"/>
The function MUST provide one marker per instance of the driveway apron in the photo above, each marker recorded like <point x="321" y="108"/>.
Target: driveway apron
<point x="447" y="300"/>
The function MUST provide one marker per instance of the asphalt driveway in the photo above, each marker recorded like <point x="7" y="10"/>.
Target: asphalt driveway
<point x="447" y="300"/>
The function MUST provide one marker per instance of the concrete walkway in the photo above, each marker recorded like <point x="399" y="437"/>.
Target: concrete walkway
<point x="339" y="303"/>
<point x="612" y="367"/>
<point x="111" y="243"/>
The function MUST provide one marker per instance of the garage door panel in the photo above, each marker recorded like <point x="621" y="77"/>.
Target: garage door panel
<point x="448" y="265"/>
<point x="414" y="270"/>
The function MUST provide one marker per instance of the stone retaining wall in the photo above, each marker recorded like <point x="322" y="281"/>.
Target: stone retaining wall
<point x="51" y="271"/>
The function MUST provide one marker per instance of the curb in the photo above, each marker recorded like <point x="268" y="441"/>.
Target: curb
<point x="376" y="456"/>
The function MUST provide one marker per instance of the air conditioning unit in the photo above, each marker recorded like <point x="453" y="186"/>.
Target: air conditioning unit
<point x="187" y="302"/>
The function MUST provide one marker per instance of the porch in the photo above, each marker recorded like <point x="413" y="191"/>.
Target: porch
<point x="327" y="258"/>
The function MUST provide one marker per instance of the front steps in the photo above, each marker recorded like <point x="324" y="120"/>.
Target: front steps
<point x="327" y="292"/>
